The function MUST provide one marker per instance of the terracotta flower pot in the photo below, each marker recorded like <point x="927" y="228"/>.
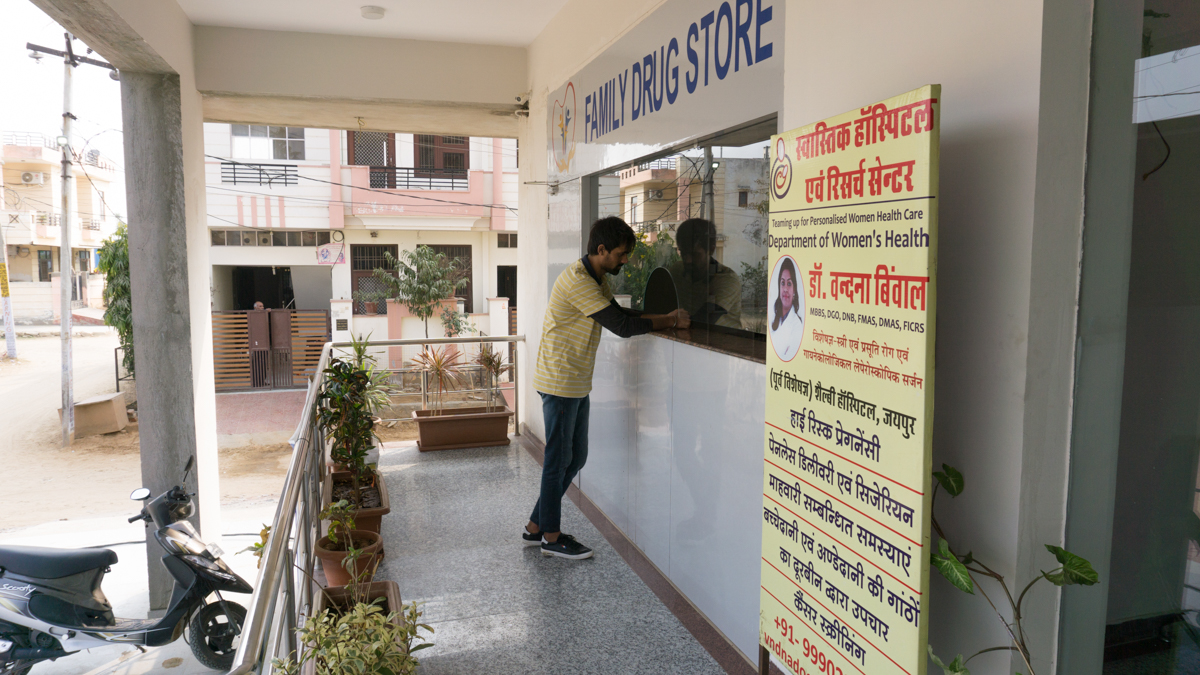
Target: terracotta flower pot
<point x="461" y="428"/>
<point x="364" y="519"/>
<point x="331" y="561"/>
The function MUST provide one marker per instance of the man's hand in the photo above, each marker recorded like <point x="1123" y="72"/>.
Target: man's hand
<point x="681" y="319"/>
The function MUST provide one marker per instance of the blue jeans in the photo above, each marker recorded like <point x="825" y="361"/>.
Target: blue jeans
<point x="566" y="452"/>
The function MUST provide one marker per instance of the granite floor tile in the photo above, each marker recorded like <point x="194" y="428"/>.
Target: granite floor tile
<point x="453" y="543"/>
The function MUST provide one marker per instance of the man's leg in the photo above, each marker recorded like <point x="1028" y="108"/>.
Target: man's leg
<point x="559" y="414"/>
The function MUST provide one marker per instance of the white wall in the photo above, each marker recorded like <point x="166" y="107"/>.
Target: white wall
<point x="987" y="59"/>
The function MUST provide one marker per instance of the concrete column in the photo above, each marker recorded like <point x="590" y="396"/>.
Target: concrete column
<point x="163" y="317"/>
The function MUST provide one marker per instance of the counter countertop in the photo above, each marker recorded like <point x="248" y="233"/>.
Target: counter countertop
<point x="734" y="345"/>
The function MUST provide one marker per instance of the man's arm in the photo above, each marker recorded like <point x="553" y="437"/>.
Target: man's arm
<point x="626" y="324"/>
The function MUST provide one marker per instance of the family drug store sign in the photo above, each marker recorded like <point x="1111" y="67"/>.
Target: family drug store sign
<point x="846" y="471"/>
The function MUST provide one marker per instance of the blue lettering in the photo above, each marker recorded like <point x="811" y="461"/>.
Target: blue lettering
<point x="743" y="33"/>
<point x="635" y="100"/>
<point x="589" y="122"/>
<point x="602" y="108"/>
<point x="647" y="84"/>
<point x="661" y="80"/>
<point x="621" y="80"/>
<point x="726" y="13"/>
<point x="672" y="92"/>
<point x="761" y="52"/>
<point x="692" y="78"/>
<point x="705" y="22"/>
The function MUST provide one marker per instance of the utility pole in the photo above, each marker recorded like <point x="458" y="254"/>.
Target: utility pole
<point x="10" y="325"/>
<point x="66" y="276"/>
<point x="707" y="198"/>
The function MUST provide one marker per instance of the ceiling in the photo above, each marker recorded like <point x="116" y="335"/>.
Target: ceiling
<point x="495" y="22"/>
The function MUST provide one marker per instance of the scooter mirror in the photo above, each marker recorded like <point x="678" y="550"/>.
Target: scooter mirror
<point x="140" y="494"/>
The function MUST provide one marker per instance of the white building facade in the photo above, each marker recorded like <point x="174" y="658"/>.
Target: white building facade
<point x="278" y="197"/>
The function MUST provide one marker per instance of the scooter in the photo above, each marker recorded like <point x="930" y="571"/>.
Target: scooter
<point x="51" y="604"/>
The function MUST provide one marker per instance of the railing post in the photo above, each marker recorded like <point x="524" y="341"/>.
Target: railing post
<point x="516" y="394"/>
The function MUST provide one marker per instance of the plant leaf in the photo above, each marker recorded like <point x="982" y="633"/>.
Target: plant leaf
<point x="1075" y="570"/>
<point x="950" y="479"/>
<point x="950" y="567"/>
<point x="956" y="666"/>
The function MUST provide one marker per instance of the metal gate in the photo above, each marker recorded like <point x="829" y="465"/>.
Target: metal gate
<point x="267" y="348"/>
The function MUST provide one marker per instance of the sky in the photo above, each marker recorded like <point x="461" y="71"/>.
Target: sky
<point x="31" y="93"/>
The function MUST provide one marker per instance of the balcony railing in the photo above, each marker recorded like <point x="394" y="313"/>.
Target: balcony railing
<point x="404" y="178"/>
<point x="29" y="139"/>
<point x="271" y="175"/>
<point x="668" y="163"/>
<point x="90" y="224"/>
<point x="47" y="219"/>
<point x="283" y="594"/>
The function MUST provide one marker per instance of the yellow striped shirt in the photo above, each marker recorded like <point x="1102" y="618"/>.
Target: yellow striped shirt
<point x="567" y="353"/>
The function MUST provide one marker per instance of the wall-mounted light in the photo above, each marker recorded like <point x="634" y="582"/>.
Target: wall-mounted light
<point x="372" y="12"/>
<point x="716" y="165"/>
<point x="62" y="141"/>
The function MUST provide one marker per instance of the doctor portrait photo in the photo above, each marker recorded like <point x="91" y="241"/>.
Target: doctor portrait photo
<point x="785" y="308"/>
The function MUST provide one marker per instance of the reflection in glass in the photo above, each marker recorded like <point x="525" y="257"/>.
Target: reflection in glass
<point x="1154" y="580"/>
<point x="701" y="214"/>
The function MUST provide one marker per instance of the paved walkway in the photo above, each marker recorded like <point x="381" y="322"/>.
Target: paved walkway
<point x="453" y="542"/>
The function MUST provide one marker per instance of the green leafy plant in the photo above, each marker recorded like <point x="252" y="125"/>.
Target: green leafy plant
<point x="455" y="323"/>
<point x="370" y="300"/>
<point x="340" y="515"/>
<point x="645" y="257"/>
<point x="360" y="640"/>
<point x="344" y="414"/>
<point x="118" y="300"/>
<point x="258" y="547"/>
<point x="378" y="389"/>
<point x="441" y="365"/>
<point x="420" y="279"/>
<point x="493" y="365"/>
<point x="961" y="569"/>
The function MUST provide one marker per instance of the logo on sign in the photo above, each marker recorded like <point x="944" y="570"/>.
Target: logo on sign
<point x="331" y="254"/>
<point x="564" y="122"/>
<point x="781" y="171"/>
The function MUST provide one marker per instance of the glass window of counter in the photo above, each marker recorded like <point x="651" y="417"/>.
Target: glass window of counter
<point x="701" y="216"/>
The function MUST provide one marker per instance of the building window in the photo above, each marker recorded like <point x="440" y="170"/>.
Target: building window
<point x="253" y="141"/>
<point x="310" y="238"/>
<point x="364" y="260"/>
<point x="633" y="212"/>
<point x="45" y="265"/>
<point x="506" y="240"/>
<point x="743" y="198"/>
<point x="441" y="154"/>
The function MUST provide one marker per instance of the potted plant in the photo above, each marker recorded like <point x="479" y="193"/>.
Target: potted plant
<point x="346" y="552"/>
<point x="421" y="279"/>
<point x="492" y="365"/>
<point x="345" y="415"/>
<point x="362" y="627"/>
<point x="441" y="429"/>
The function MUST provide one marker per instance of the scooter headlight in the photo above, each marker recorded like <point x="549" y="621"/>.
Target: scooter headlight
<point x="210" y="568"/>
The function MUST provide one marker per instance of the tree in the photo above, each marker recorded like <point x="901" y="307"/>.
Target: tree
<point x="114" y="263"/>
<point x="422" y="279"/>
<point x="644" y="259"/>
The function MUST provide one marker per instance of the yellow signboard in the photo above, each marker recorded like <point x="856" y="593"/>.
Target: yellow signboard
<point x="3" y="280"/>
<point x="846" y="472"/>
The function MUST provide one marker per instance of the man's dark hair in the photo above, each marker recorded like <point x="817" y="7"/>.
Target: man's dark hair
<point x="696" y="232"/>
<point x="611" y="232"/>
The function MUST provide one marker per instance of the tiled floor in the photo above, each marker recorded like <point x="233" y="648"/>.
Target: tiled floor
<point x="453" y="542"/>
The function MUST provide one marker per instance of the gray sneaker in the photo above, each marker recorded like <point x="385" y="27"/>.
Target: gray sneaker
<point x="566" y="547"/>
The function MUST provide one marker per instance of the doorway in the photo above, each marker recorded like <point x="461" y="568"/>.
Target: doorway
<point x="272" y="286"/>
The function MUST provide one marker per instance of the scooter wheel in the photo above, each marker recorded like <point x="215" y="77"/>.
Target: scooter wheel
<point x="215" y="635"/>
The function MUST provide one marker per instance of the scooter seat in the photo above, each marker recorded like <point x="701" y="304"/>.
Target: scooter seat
<point x="53" y="563"/>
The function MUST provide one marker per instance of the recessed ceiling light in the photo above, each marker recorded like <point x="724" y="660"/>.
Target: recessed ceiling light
<point x="372" y="12"/>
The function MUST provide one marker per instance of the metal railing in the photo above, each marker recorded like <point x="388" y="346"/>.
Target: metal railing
<point x="282" y="598"/>
<point x="239" y="173"/>
<point x="30" y="139"/>
<point x="406" y="178"/>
